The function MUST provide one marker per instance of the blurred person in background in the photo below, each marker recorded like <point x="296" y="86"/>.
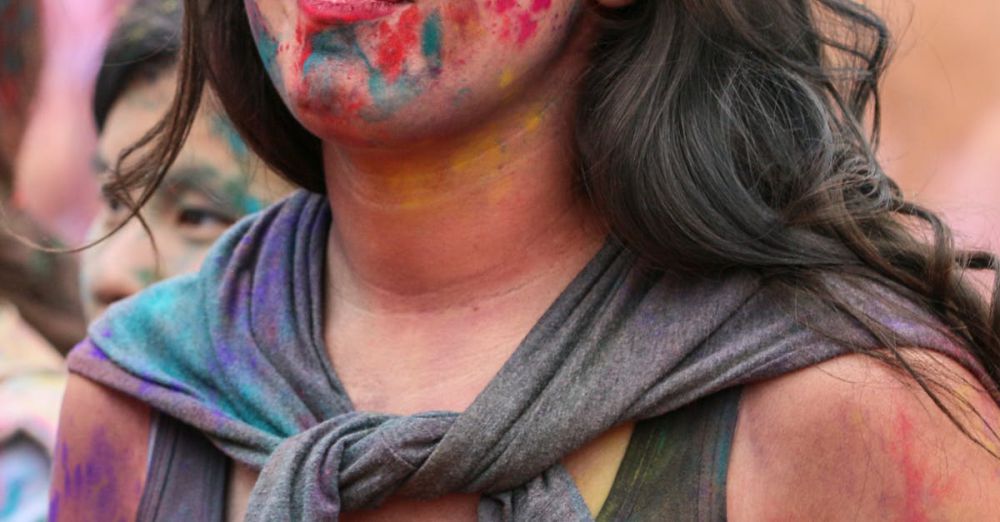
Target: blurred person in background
<point x="40" y="315"/>
<point x="53" y="185"/>
<point x="214" y="182"/>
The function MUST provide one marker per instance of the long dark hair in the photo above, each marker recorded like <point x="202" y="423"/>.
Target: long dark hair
<point x="711" y="135"/>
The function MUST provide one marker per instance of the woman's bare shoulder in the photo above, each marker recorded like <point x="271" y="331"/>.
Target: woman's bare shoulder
<point x="101" y="454"/>
<point x="854" y="439"/>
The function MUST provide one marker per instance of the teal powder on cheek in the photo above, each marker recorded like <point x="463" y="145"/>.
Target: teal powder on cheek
<point x="341" y="43"/>
<point x="431" y="41"/>
<point x="267" y="45"/>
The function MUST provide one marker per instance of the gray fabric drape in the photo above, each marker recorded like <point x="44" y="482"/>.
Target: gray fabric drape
<point x="237" y="352"/>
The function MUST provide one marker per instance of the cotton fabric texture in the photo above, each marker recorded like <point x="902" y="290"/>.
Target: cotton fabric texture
<point x="237" y="351"/>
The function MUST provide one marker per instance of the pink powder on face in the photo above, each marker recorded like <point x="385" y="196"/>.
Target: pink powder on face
<point x="502" y="6"/>
<point x="396" y="42"/>
<point x="540" y="5"/>
<point x="526" y="27"/>
<point x="518" y="24"/>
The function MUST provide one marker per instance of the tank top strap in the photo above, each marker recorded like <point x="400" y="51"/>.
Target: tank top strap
<point x="676" y="465"/>
<point x="186" y="476"/>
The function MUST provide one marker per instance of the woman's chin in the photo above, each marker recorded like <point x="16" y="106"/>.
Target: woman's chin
<point x="356" y="130"/>
<point x="354" y="123"/>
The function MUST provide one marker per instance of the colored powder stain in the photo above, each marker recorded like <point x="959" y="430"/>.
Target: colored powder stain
<point x="463" y="19"/>
<point x="502" y="6"/>
<point x="486" y="151"/>
<point x="235" y="191"/>
<point x="267" y="45"/>
<point x="13" y="493"/>
<point x="331" y="42"/>
<point x="388" y="98"/>
<point x="335" y="43"/>
<point x="506" y="78"/>
<point x="95" y="477"/>
<point x="54" y="510"/>
<point x="533" y="121"/>
<point x="146" y="276"/>
<point x="376" y="85"/>
<point x="431" y="42"/>
<point x="395" y="43"/>
<point x="540" y="5"/>
<point x="916" y="486"/>
<point x="389" y="84"/>
<point x="499" y="191"/>
<point x="526" y="28"/>
<point x="461" y="96"/>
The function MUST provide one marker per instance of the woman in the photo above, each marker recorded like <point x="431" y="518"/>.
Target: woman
<point x="728" y="354"/>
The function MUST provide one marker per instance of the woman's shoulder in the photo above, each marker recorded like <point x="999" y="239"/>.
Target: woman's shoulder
<point x="101" y="454"/>
<point x="856" y="436"/>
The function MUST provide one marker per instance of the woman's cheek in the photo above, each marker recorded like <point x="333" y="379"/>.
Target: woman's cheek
<point x="517" y="22"/>
<point x="186" y="258"/>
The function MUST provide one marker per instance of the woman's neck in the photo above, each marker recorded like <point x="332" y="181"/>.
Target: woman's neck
<point x="443" y="254"/>
<point x="433" y="227"/>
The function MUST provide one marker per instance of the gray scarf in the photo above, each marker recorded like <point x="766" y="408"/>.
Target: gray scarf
<point x="237" y="351"/>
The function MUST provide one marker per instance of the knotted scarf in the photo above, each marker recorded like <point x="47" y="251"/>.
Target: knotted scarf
<point x="237" y="351"/>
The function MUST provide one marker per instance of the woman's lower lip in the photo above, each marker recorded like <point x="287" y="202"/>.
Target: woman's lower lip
<point x="343" y="11"/>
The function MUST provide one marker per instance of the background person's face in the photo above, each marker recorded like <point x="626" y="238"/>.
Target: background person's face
<point x="419" y="69"/>
<point x="209" y="187"/>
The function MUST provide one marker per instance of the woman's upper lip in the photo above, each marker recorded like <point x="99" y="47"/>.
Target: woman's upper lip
<point x="343" y="11"/>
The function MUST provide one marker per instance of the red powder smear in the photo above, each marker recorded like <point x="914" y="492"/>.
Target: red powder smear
<point x="540" y="5"/>
<point x="526" y="28"/>
<point x="501" y="6"/>
<point x="463" y="16"/>
<point x="305" y="47"/>
<point x="912" y="473"/>
<point x="517" y="23"/>
<point x="395" y="42"/>
<point x="918" y="490"/>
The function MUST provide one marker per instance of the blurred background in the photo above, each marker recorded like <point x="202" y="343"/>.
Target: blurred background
<point x="941" y="127"/>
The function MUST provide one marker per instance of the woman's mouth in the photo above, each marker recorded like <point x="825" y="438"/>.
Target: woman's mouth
<point x="345" y="11"/>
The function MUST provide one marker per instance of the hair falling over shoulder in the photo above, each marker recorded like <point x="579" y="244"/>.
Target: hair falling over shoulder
<point x="712" y="135"/>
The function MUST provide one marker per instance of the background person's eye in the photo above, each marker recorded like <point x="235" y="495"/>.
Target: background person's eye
<point x="115" y="210"/>
<point x="201" y="223"/>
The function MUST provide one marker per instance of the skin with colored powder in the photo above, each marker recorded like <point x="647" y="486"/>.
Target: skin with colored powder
<point x="214" y="183"/>
<point x="370" y="81"/>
